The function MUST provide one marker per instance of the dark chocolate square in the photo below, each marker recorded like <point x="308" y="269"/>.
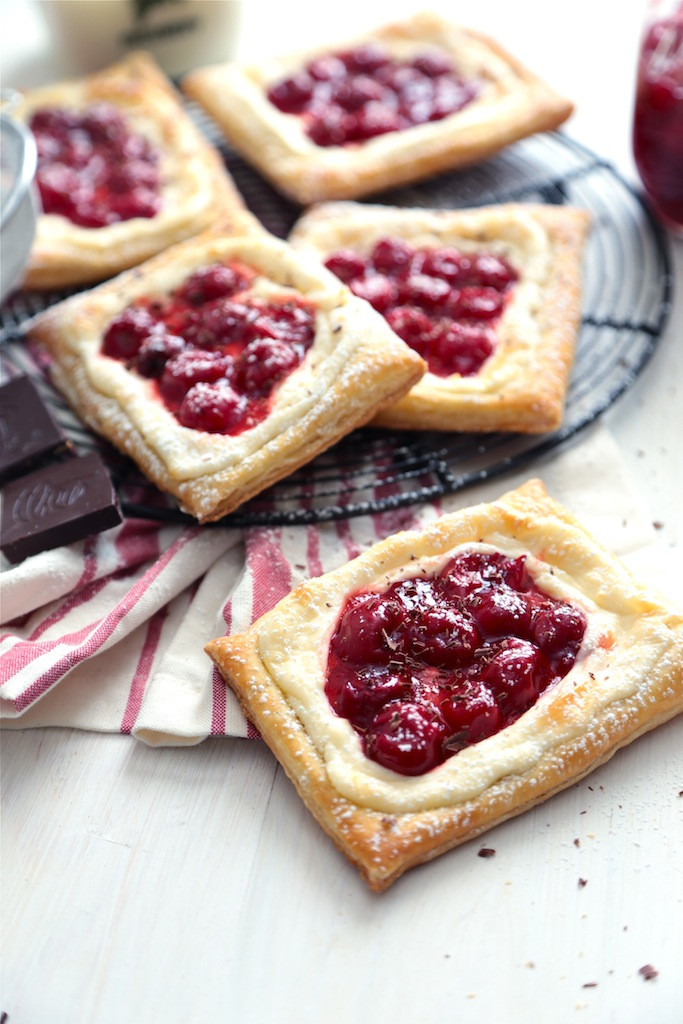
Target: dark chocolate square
<point x="57" y="504"/>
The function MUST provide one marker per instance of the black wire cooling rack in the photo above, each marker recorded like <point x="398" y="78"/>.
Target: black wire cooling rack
<point x="626" y="303"/>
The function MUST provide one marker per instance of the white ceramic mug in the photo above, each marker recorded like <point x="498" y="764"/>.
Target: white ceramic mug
<point x="181" y="34"/>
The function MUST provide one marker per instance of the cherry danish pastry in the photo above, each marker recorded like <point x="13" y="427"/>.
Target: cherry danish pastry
<point x="123" y="173"/>
<point x="490" y="298"/>
<point x="396" y="106"/>
<point x="223" y="364"/>
<point x="451" y="677"/>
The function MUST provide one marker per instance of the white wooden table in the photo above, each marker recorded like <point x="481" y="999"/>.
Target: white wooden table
<point x="148" y="885"/>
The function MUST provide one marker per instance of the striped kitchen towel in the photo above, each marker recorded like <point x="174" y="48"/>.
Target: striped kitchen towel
<point x="108" y="634"/>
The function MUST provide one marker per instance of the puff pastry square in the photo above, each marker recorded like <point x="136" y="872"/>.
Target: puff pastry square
<point x="195" y="188"/>
<point x="510" y="103"/>
<point x="353" y="367"/>
<point x="627" y="678"/>
<point x="522" y="385"/>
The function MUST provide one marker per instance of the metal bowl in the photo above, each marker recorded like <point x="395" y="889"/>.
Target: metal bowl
<point x="18" y="202"/>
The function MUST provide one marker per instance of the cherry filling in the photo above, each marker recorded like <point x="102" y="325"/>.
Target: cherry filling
<point x="215" y="353"/>
<point x="431" y="666"/>
<point x="361" y="93"/>
<point x="442" y="302"/>
<point x="92" y="168"/>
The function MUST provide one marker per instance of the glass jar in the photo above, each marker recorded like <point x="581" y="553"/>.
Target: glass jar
<point x="658" y="114"/>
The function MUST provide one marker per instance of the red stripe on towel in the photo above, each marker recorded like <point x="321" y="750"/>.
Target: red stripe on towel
<point x="88" y="640"/>
<point x="271" y="574"/>
<point x="81" y="593"/>
<point x="138" y="541"/>
<point x="143" y="669"/>
<point x="218" y="703"/>
<point x="218" y="684"/>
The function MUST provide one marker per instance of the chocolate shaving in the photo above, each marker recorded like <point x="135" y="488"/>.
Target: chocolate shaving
<point x="391" y="643"/>
<point x="648" y="972"/>
<point x="486" y="851"/>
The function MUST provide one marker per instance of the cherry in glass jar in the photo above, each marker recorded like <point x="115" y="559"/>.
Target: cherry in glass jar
<point x="658" y="115"/>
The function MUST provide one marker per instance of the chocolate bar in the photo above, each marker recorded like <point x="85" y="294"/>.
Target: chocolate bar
<point x="56" y="504"/>
<point x="28" y="432"/>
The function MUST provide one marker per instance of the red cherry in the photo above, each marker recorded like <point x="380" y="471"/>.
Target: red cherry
<point x="433" y="63"/>
<point x="460" y="348"/>
<point x="292" y="323"/>
<point x="59" y="185"/>
<point x="440" y="636"/>
<point x="139" y="202"/>
<point x="54" y="121"/>
<point x="371" y="120"/>
<point x="450" y="96"/>
<point x="292" y="95"/>
<point x="223" y="322"/>
<point x="361" y="93"/>
<point x="155" y="351"/>
<point x="558" y="629"/>
<point x="415" y="647"/>
<point x="491" y="271"/>
<point x="103" y="122"/>
<point x="216" y="281"/>
<point x="360" y="695"/>
<point x="416" y="102"/>
<point x="364" y="59"/>
<point x="516" y="675"/>
<point x="353" y="93"/>
<point x="392" y="255"/>
<point x="430" y="293"/>
<point x="127" y="331"/>
<point x="515" y="574"/>
<point x="134" y="174"/>
<point x="329" y="127"/>
<point x="263" y="363"/>
<point x="501" y="611"/>
<point x="347" y="265"/>
<point x="325" y="69"/>
<point x="446" y="263"/>
<point x="193" y="366"/>
<point x="213" y="408"/>
<point x="475" y="303"/>
<point x="412" y="325"/>
<point x="471" y="712"/>
<point x="379" y="290"/>
<point x="363" y="634"/>
<point x="407" y="737"/>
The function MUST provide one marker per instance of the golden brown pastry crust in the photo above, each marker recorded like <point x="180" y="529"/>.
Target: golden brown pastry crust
<point x="196" y="188"/>
<point x="514" y="104"/>
<point x="522" y="386"/>
<point x="627" y="680"/>
<point x="354" y="367"/>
